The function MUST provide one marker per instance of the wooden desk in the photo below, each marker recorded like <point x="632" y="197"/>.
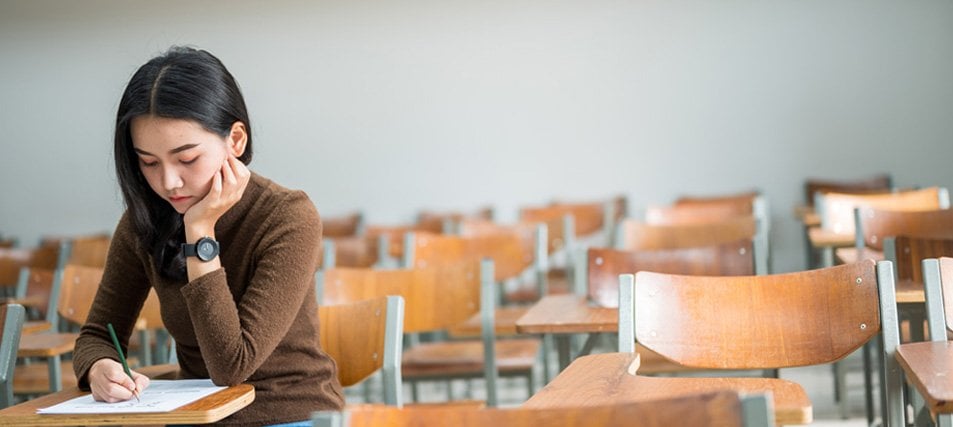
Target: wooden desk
<point x="564" y="315"/>
<point x="929" y="367"/>
<point x="610" y="378"/>
<point x="203" y="411"/>
<point x="851" y="255"/>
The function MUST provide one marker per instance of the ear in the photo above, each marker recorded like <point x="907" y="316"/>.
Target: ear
<point x="237" y="138"/>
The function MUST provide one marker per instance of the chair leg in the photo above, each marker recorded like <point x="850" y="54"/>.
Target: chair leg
<point x="840" y="389"/>
<point x="868" y="384"/>
<point x="414" y="392"/>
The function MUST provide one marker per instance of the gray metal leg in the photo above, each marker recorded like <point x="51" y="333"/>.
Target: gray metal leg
<point x="55" y="373"/>
<point x="562" y="350"/>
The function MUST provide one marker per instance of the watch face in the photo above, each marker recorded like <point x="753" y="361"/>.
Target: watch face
<point x="206" y="249"/>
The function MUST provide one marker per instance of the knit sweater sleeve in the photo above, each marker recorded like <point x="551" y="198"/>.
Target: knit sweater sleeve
<point x="236" y="335"/>
<point x="120" y="296"/>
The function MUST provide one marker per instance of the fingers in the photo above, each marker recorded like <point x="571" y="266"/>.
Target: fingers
<point x="109" y="382"/>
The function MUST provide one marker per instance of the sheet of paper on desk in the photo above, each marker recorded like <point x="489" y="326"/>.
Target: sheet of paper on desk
<point x="160" y="396"/>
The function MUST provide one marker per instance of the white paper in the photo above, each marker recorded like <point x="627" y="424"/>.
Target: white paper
<point x="160" y="396"/>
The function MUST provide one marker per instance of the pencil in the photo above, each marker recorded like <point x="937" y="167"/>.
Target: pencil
<point x="122" y="359"/>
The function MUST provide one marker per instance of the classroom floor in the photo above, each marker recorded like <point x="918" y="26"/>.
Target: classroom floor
<point x="817" y="381"/>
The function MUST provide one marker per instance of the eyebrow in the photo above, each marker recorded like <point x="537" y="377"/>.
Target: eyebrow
<point x="172" y="151"/>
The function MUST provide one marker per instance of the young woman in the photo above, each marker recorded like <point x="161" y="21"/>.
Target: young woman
<point x="230" y="253"/>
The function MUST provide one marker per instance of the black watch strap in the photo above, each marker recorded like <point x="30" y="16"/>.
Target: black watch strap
<point x="205" y="249"/>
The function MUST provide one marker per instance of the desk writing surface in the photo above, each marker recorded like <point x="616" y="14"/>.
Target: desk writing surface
<point x="852" y="254"/>
<point x="565" y="314"/>
<point x="929" y="367"/>
<point x="206" y="410"/>
<point x="821" y="238"/>
<point x="609" y="378"/>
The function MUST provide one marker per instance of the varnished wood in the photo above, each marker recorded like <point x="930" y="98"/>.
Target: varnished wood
<point x="721" y="409"/>
<point x="504" y="323"/>
<point x="46" y="344"/>
<point x="838" y="213"/>
<point x="639" y="235"/>
<point x="433" y="221"/>
<point x="702" y="209"/>
<point x="510" y="250"/>
<point x="451" y="358"/>
<point x="878" y="224"/>
<point x="34" y="379"/>
<point x="758" y="322"/>
<point x="946" y="276"/>
<point x="587" y="217"/>
<point x="929" y="367"/>
<point x="203" y="411"/>
<point x="880" y="183"/>
<point x="824" y="238"/>
<point x="353" y="335"/>
<point x="89" y="251"/>
<point x="852" y="254"/>
<point x="612" y="378"/>
<point x="13" y="259"/>
<point x="358" y="251"/>
<point x="605" y="265"/>
<point x="910" y="251"/>
<point x="341" y="226"/>
<point x="567" y="313"/>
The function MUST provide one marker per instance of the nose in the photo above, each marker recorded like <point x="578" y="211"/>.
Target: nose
<point x="171" y="178"/>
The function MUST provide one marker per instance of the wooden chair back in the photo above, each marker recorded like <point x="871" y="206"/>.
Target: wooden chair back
<point x="908" y="252"/>
<point x="695" y="213"/>
<point x="77" y="290"/>
<point x="587" y="219"/>
<point x="874" y="225"/>
<point x="12" y="260"/>
<point x="880" y="183"/>
<point x="510" y="251"/>
<point x="438" y="222"/>
<point x="722" y="408"/>
<point x="636" y="235"/>
<point x="365" y="337"/>
<point x="758" y="322"/>
<point x="354" y="252"/>
<point x="11" y="322"/>
<point x="605" y="265"/>
<point x="836" y="210"/>
<point x="431" y="303"/>
<point x="946" y="291"/>
<point x="342" y="226"/>
<point x="35" y="289"/>
<point x="89" y="251"/>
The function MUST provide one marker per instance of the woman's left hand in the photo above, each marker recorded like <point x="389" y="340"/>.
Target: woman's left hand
<point x="228" y="185"/>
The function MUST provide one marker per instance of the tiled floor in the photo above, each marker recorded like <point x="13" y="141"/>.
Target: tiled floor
<point x="817" y="380"/>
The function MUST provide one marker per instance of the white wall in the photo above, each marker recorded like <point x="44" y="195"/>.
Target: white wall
<point x="394" y="106"/>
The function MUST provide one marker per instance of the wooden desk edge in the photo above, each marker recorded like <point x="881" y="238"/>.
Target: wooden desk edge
<point x="208" y="409"/>
<point x="935" y="404"/>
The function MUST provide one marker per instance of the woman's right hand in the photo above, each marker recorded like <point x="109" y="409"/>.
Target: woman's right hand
<point x="109" y="382"/>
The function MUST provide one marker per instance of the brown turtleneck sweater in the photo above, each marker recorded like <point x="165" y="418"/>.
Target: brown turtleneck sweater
<point x="252" y="321"/>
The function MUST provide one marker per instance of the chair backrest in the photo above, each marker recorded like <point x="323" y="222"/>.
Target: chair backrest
<point x="938" y="286"/>
<point x="365" y="337"/>
<point x="880" y="183"/>
<point x="435" y="298"/>
<point x="836" y="210"/>
<point x="695" y="214"/>
<point x="757" y="322"/>
<point x="723" y="408"/>
<point x="447" y="222"/>
<point x="78" y="288"/>
<point x="874" y="225"/>
<point x="639" y="235"/>
<point x="513" y="250"/>
<point x="566" y="221"/>
<point x="13" y="259"/>
<point x="89" y="251"/>
<point x="603" y="266"/>
<point x="342" y="226"/>
<point x="38" y="285"/>
<point x="908" y="252"/>
<point x="11" y="324"/>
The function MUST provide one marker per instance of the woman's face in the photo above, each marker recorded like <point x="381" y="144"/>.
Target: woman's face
<point x="179" y="158"/>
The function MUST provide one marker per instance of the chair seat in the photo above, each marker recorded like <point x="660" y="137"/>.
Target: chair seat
<point x="505" y="323"/>
<point x="466" y="357"/>
<point x="526" y="293"/>
<point x="46" y="344"/>
<point x="33" y="379"/>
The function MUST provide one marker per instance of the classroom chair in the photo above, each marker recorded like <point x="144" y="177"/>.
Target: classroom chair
<point x="764" y="322"/>
<point x="11" y="321"/>
<point x="365" y="337"/>
<point x="928" y="366"/>
<point x="722" y="409"/>
<point x="436" y="298"/>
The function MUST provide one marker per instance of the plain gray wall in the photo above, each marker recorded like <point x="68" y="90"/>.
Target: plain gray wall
<point x="394" y="106"/>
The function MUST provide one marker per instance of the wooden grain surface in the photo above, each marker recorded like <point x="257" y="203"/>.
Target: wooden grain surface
<point x="929" y="367"/>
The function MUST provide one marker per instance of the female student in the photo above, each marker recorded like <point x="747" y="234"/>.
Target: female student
<point x="230" y="253"/>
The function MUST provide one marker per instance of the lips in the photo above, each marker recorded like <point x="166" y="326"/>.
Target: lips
<point x="176" y="199"/>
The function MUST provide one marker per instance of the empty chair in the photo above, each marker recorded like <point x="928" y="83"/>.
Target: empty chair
<point x="349" y="225"/>
<point x="880" y="183"/>
<point x="762" y="322"/>
<point x="929" y="365"/>
<point x="365" y="337"/>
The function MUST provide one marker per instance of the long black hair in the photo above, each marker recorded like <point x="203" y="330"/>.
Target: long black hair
<point x="182" y="83"/>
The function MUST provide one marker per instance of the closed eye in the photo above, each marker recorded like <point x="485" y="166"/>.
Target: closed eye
<point x="147" y="164"/>
<point x="190" y="161"/>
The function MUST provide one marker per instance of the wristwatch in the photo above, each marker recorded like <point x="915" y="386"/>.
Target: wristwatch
<point x="206" y="249"/>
